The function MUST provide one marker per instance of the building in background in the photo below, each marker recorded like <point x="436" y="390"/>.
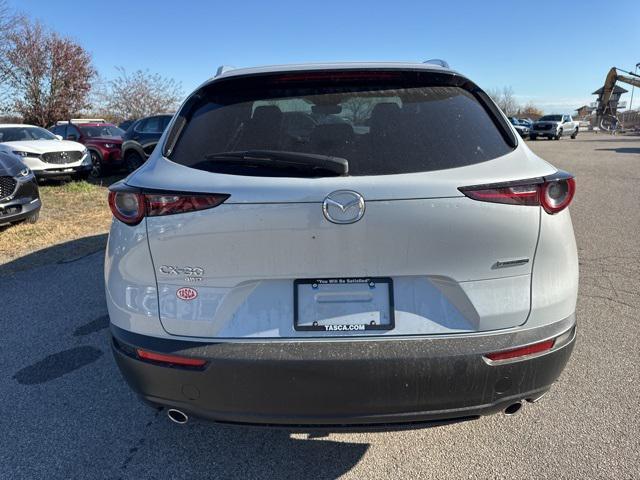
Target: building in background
<point x="584" y="112"/>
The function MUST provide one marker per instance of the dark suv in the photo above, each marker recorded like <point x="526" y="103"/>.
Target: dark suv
<point x="141" y="138"/>
<point x="102" y="139"/>
<point x="19" y="197"/>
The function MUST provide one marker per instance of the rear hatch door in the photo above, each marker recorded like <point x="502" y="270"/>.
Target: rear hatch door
<point x="392" y="245"/>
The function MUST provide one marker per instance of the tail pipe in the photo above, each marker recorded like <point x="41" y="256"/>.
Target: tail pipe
<point x="513" y="408"/>
<point x="177" y="416"/>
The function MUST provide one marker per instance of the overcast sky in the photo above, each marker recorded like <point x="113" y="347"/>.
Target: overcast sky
<point x="554" y="54"/>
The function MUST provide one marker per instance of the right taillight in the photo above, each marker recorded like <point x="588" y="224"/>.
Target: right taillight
<point x="556" y="195"/>
<point x="130" y="206"/>
<point x="553" y="193"/>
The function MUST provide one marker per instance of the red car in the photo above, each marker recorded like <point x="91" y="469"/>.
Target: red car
<point x="102" y="139"/>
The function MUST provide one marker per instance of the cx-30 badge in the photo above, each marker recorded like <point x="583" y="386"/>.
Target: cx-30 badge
<point x="343" y="206"/>
<point x="188" y="271"/>
<point x="191" y="274"/>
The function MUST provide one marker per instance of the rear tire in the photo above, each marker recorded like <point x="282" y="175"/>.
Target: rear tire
<point x="574" y="134"/>
<point x="133" y="160"/>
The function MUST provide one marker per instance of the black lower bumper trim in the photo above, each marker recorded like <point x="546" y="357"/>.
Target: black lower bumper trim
<point x="22" y="211"/>
<point x="62" y="172"/>
<point x="333" y="384"/>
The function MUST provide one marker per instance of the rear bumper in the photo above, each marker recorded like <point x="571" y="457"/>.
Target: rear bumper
<point x="341" y="383"/>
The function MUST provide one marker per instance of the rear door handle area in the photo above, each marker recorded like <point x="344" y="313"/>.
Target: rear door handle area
<point x="510" y="262"/>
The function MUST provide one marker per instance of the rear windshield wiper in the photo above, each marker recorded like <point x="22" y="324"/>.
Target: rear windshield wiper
<point x="275" y="163"/>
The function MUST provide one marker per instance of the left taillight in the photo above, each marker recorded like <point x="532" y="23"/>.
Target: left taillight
<point x="169" y="203"/>
<point x="553" y="193"/>
<point x="128" y="207"/>
<point x="170" y="360"/>
<point x="131" y="206"/>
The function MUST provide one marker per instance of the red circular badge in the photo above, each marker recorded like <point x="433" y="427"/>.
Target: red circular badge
<point x="187" y="293"/>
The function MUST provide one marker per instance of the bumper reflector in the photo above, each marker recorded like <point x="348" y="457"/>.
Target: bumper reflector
<point x="521" y="352"/>
<point x="170" y="359"/>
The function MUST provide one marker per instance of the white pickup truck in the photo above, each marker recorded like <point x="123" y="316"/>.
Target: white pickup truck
<point x="554" y="127"/>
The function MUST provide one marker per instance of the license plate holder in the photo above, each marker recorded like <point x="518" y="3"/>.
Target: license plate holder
<point x="352" y="304"/>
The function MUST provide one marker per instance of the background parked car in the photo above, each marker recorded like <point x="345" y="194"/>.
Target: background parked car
<point x="554" y="127"/>
<point x="44" y="153"/>
<point x="522" y="129"/>
<point x="126" y="124"/>
<point x="141" y="138"/>
<point x="19" y="196"/>
<point x="102" y="139"/>
<point x="526" y="121"/>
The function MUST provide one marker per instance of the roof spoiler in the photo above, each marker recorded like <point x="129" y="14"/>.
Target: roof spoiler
<point x="81" y="120"/>
<point x="223" y="69"/>
<point x="438" y="61"/>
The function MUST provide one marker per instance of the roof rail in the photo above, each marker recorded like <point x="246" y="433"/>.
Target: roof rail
<point x="81" y="120"/>
<point x="223" y="69"/>
<point x="438" y="61"/>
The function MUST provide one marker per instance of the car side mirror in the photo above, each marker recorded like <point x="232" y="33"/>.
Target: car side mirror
<point x="72" y="137"/>
<point x="59" y="137"/>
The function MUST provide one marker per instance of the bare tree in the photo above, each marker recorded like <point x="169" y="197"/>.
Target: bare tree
<point x="5" y="21"/>
<point x="47" y="77"/>
<point x="358" y="109"/>
<point x="139" y="94"/>
<point x="6" y="25"/>
<point x="530" y="111"/>
<point x="98" y="99"/>
<point x="505" y="99"/>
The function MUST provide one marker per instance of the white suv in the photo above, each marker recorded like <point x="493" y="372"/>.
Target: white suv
<point x="341" y="244"/>
<point x="44" y="153"/>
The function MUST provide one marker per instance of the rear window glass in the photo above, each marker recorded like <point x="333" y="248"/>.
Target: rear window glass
<point x="379" y="130"/>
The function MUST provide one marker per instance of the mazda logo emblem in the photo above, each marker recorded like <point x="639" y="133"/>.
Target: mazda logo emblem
<point x="343" y="206"/>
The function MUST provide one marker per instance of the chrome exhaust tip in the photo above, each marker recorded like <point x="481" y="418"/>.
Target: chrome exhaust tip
<point x="536" y="399"/>
<point x="177" y="416"/>
<point x="513" y="408"/>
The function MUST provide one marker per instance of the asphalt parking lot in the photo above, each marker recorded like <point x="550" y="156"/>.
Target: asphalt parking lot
<point x="66" y="412"/>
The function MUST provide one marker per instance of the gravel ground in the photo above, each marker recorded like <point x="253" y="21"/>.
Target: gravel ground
<point x="68" y="414"/>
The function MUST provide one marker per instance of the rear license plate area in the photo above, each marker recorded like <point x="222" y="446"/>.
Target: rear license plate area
<point x="343" y="304"/>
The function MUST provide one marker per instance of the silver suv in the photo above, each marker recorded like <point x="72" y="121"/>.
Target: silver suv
<point x="343" y="244"/>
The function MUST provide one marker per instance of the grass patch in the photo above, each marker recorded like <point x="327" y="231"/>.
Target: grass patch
<point x="70" y="211"/>
<point x="79" y="187"/>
